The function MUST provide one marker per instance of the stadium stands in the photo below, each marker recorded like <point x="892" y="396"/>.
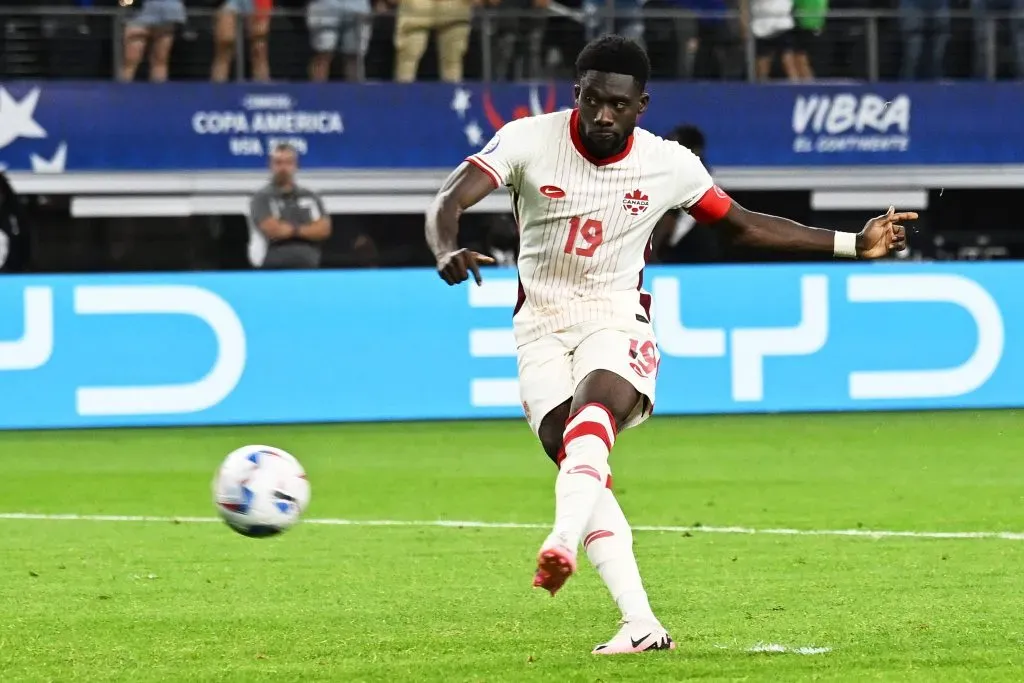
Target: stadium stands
<point x="686" y="39"/>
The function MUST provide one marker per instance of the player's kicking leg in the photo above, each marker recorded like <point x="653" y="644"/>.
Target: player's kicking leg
<point x="586" y="511"/>
<point x="547" y="368"/>
<point x="608" y="541"/>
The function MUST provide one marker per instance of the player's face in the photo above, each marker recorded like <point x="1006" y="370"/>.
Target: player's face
<point x="283" y="165"/>
<point x="609" y="105"/>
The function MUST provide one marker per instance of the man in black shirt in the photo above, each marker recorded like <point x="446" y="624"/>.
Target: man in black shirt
<point x="677" y="237"/>
<point x="288" y="223"/>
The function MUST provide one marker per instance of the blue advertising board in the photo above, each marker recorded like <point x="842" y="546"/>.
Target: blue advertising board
<point x="80" y="127"/>
<point x="197" y="349"/>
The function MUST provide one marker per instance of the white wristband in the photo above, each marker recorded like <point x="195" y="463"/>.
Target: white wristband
<point x="845" y="245"/>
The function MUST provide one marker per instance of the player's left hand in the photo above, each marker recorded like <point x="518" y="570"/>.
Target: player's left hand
<point x="884" y="234"/>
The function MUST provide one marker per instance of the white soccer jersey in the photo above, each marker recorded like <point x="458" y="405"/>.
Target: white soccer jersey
<point x="585" y="224"/>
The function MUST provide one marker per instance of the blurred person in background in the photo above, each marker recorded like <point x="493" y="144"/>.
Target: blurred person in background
<point x="914" y="18"/>
<point x="287" y="223"/>
<point x="518" y="36"/>
<point x="564" y="37"/>
<point x="416" y="19"/>
<point x="225" y="33"/>
<point x="771" y="24"/>
<point x="15" y="250"/>
<point x="698" y="45"/>
<point x="677" y="237"/>
<point x="364" y="252"/>
<point x="341" y="26"/>
<point x="625" y="18"/>
<point x="715" y="51"/>
<point x="629" y="19"/>
<point x="153" y="26"/>
<point x="983" y="12"/>
<point x="810" y="22"/>
<point x="501" y="241"/>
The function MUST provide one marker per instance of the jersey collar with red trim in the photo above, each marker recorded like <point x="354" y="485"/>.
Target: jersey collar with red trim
<point x="577" y="142"/>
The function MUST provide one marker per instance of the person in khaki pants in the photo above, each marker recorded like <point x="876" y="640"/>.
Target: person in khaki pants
<point x="416" y="19"/>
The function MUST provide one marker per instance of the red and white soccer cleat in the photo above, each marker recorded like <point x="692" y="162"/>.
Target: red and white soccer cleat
<point x="637" y="636"/>
<point x="555" y="564"/>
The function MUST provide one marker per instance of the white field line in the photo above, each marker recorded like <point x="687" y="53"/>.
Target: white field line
<point x="457" y="524"/>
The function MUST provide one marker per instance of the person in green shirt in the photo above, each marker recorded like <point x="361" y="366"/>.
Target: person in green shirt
<point x="810" y="20"/>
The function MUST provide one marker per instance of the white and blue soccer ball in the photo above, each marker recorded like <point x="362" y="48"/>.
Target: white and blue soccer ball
<point x="260" y="491"/>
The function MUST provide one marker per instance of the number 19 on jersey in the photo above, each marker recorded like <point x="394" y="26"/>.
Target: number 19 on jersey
<point x="584" y="236"/>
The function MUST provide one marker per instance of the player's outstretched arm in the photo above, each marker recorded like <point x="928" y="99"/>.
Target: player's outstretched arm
<point x="881" y="235"/>
<point x="466" y="186"/>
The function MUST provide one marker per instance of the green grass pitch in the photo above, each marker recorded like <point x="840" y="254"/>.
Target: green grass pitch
<point x="183" y="602"/>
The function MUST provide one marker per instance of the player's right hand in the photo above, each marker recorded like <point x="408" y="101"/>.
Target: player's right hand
<point x="455" y="266"/>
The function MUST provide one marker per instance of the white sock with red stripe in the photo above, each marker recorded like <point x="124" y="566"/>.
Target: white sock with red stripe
<point x="588" y="439"/>
<point x="608" y="541"/>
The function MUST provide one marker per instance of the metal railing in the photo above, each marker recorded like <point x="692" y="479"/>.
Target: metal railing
<point x="44" y="42"/>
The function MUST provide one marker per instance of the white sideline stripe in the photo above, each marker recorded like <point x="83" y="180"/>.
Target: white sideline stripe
<point x="459" y="524"/>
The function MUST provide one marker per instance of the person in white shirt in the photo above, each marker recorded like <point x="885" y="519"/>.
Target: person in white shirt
<point x="588" y="188"/>
<point x="772" y="24"/>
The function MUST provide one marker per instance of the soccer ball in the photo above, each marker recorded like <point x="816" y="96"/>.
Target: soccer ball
<point x="260" y="491"/>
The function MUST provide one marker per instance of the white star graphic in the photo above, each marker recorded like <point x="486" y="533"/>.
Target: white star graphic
<point x="460" y="102"/>
<point x="16" y="117"/>
<point x="474" y="134"/>
<point x="54" y="165"/>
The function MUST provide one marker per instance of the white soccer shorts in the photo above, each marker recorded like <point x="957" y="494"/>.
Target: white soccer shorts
<point x="550" y="368"/>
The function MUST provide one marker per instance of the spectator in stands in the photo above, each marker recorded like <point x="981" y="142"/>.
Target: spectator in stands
<point x="518" y="30"/>
<point x="701" y="46"/>
<point x="416" y="19"/>
<point x="914" y="15"/>
<point x="564" y="37"/>
<point x="771" y="24"/>
<point x="154" y="26"/>
<point x="810" y="21"/>
<point x="629" y="21"/>
<point x="983" y="12"/>
<point x="287" y="223"/>
<point x="338" y="26"/>
<point x="677" y="237"/>
<point x="715" y="52"/>
<point x="225" y="33"/>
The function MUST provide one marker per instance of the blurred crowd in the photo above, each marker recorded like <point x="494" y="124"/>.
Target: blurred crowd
<point x="452" y="40"/>
<point x="529" y="38"/>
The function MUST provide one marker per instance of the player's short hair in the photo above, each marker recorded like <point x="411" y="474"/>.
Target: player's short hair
<point x="615" y="55"/>
<point x="690" y="137"/>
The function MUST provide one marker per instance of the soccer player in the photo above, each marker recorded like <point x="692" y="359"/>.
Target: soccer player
<point x="588" y="187"/>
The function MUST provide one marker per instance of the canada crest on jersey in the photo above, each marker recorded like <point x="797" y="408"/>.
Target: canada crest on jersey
<point x="635" y="203"/>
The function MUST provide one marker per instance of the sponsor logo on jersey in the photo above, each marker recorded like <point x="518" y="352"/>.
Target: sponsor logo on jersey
<point x="552" y="191"/>
<point x="846" y="122"/>
<point x="635" y="203"/>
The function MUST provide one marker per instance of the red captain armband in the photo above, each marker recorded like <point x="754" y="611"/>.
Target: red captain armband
<point x="711" y="207"/>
